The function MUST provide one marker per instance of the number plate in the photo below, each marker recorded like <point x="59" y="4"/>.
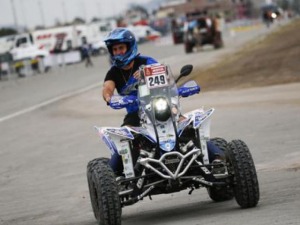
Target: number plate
<point x="156" y="76"/>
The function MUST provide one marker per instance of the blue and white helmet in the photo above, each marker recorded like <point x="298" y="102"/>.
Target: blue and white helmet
<point x="117" y="36"/>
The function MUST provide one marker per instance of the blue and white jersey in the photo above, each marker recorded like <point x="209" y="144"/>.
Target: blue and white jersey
<point x="125" y="83"/>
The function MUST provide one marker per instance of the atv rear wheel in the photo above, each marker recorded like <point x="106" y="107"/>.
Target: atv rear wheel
<point x="218" y="42"/>
<point x="219" y="194"/>
<point x="188" y="47"/>
<point x="104" y="192"/>
<point x="245" y="183"/>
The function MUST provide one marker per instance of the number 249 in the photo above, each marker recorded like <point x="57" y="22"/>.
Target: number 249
<point x="157" y="80"/>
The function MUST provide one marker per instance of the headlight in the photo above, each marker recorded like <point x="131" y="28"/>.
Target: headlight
<point x="273" y="15"/>
<point x="161" y="109"/>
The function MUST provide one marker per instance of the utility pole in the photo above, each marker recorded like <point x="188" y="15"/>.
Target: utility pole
<point x="14" y="15"/>
<point x="64" y="11"/>
<point x="99" y="8"/>
<point x="84" y="11"/>
<point x="24" y="14"/>
<point x="42" y="13"/>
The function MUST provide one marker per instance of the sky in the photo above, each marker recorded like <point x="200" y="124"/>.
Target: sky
<point x="31" y="13"/>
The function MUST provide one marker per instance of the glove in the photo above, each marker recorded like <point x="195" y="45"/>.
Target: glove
<point x="120" y="102"/>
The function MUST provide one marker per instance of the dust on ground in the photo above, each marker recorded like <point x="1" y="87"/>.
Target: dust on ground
<point x="272" y="60"/>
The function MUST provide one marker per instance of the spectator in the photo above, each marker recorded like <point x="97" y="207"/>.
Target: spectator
<point x="86" y="54"/>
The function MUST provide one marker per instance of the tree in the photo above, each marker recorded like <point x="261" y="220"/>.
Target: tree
<point x="58" y="23"/>
<point x="7" y="31"/>
<point x="95" y="19"/>
<point x="40" y="27"/>
<point x="78" y="20"/>
<point x="140" y="9"/>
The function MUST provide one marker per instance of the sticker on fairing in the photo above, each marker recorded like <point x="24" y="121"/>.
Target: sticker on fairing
<point x="112" y="147"/>
<point x="145" y="133"/>
<point x="124" y="132"/>
<point x="143" y="91"/>
<point x="183" y="125"/>
<point x="156" y="76"/>
<point x="124" y="151"/>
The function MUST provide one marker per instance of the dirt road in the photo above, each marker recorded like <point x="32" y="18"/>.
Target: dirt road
<point x="44" y="153"/>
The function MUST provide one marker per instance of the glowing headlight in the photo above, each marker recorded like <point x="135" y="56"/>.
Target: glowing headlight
<point x="161" y="104"/>
<point x="161" y="109"/>
<point x="273" y="15"/>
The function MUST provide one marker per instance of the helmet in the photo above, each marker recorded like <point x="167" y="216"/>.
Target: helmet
<point x="117" y="36"/>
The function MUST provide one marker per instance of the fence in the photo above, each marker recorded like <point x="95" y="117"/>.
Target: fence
<point x="29" y="67"/>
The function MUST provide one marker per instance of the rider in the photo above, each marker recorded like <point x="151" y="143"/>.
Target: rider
<point x="123" y="76"/>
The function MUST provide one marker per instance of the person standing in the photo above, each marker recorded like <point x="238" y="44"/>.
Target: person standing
<point x="86" y="54"/>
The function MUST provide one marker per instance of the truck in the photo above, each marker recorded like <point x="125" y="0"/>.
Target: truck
<point x="6" y="43"/>
<point x="201" y="29"/>
<point x="40" y="43"/>
<point x="144" y="33"/>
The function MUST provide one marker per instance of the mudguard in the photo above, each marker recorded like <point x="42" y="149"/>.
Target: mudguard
<point x="201" y="122"/>
<point x="117" y="140"/>
<point x="199" y="116"/>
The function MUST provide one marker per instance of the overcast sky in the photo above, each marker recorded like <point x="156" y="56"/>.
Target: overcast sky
<point x="37" y="12"/>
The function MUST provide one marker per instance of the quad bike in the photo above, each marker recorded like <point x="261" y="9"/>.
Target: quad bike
<point x="172" y="152"/>
<point x="270" y="13"/>
<point x="201" y="33"/>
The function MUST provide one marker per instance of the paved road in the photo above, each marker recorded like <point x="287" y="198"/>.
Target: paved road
<point x="43" y="154"/>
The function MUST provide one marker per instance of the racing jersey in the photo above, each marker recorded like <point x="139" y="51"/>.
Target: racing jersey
<point x="124" y="80"/>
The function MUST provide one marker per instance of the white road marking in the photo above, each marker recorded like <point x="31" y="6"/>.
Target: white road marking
<point x="48" y="102"/>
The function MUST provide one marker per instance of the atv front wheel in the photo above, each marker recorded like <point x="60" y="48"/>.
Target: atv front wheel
<point x="221" y="143"/>
<point x="219" y="194"/>
<point x="245" y="183"/>
<point x="104" y="192"/>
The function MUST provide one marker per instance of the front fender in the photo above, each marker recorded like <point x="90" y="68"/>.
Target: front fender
<point x="199" y="116"/>
<point x="114" y="136"/>
<point x="117" y="139"/>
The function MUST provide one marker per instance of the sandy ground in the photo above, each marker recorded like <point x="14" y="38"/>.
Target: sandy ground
<point x="271" y="60"/>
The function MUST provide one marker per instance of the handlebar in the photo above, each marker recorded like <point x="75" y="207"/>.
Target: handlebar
<point x="120" y="102"/>
<point x="188" y="91"/>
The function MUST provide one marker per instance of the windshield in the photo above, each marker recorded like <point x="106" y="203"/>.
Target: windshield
<point x="157" y="82"/>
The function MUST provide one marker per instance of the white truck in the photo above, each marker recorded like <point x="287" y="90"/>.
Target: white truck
<point x="144" y="33"/>
<point x="24" y="48"/>
<point x="6" y="43"/>
<point x="58" y="39"/>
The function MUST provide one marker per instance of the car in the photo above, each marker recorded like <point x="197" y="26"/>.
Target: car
<point x="144" y="33"/>
<point x="99" y="48"/>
